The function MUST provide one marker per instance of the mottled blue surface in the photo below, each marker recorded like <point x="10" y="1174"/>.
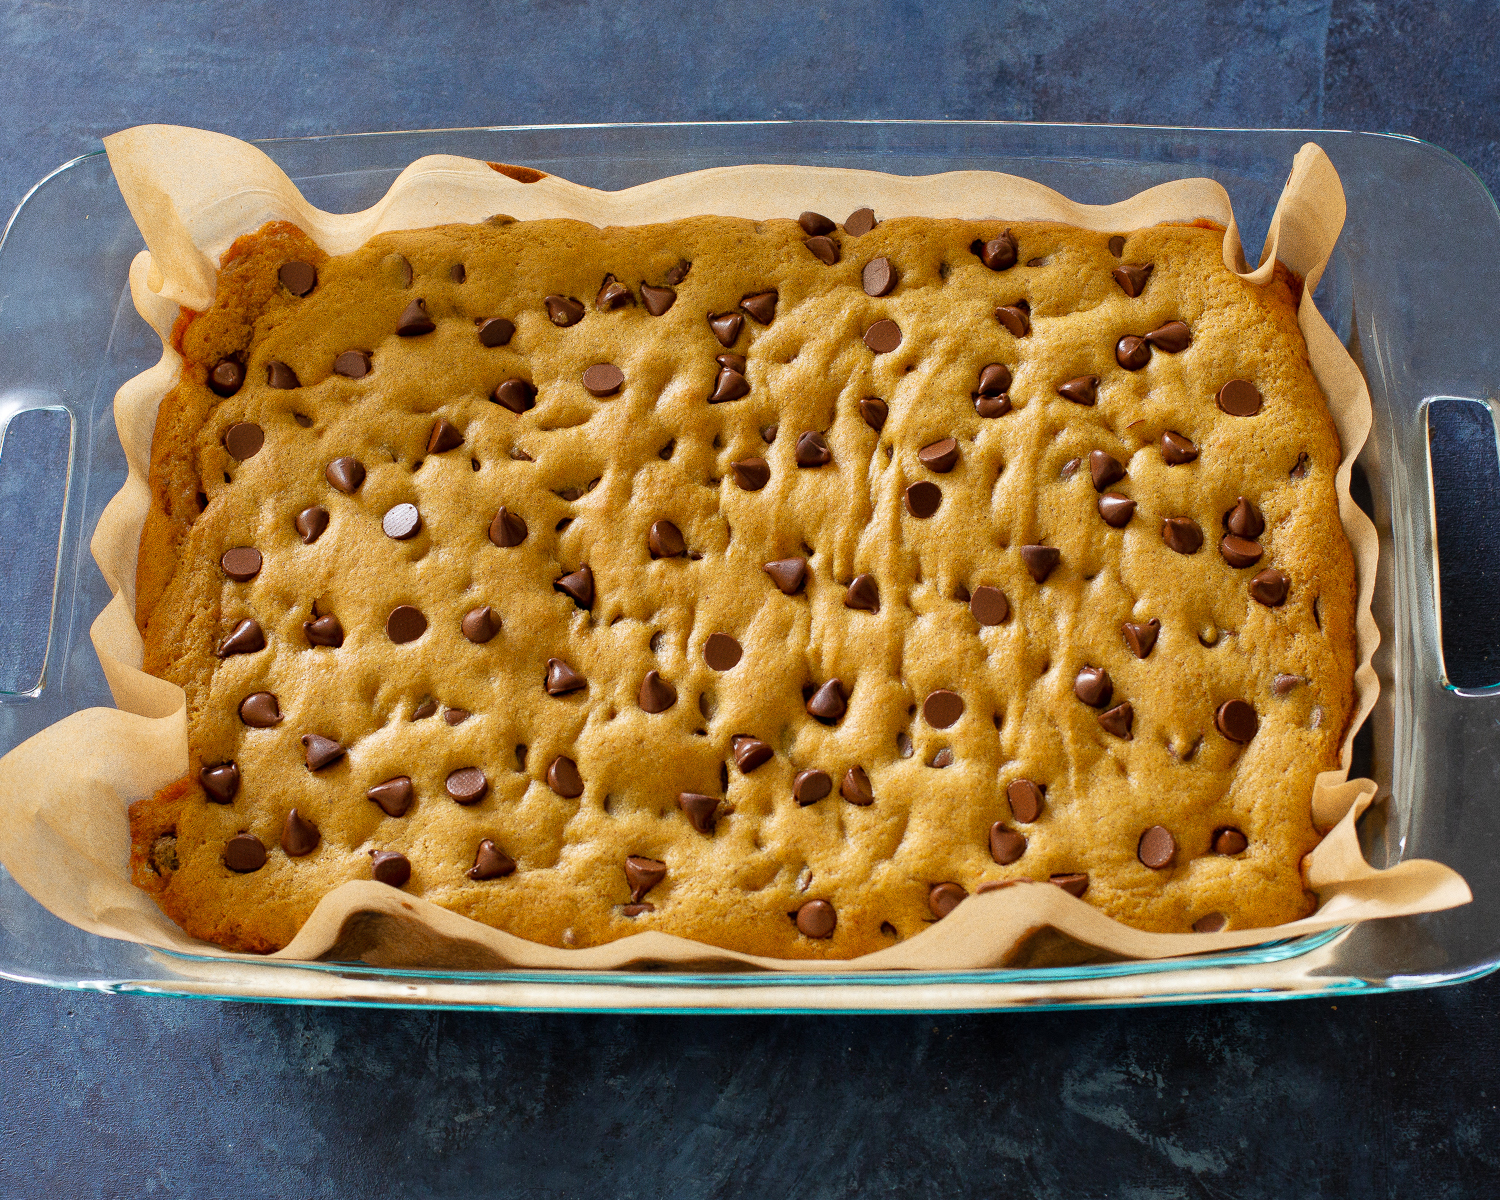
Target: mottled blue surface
<point x="1375" y="1097"/>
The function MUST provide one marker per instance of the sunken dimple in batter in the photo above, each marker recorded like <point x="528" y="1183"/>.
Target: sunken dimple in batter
<point x="980" y="569"/>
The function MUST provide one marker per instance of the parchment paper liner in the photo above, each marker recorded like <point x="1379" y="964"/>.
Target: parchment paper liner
<point x="66" y="840"/>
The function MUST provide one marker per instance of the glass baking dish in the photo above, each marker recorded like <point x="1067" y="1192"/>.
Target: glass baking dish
<point x="1410" y="290"/>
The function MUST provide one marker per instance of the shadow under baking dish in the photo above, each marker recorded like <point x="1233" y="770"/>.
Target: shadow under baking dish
<point x="1408" y="290"/>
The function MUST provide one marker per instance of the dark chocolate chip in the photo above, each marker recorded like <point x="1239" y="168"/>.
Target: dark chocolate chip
<point x="244" y="638"/>
<point x="883" y="336"/>
<point x="467" y="785"/>
<point x="992" y="406"/>
<point x="1006" y="845"/>
<point x="1000" y="253"/>
<point x="878" y="277"/>
<point x="1244" y="520"/>
<point x="579" y="585"/>
<point x="812" y="450"/>
<point x="922" y="498"/>
<point x="1270" y="588"/>
<point x="1083" y="390"/>
<point x="940" y="456"/>
<point x="405" y="624"/>
<point x="989" y="606"/>
<point x="1174" y="337"/>
<point x="815" y="224"/>
<point x="1132" y="352"/>
<point x="320" y="751"/>
<point x="1239" y="398"/>
<point x="1182" y="534"/>
<point x="1117" y="245"/>
<point x="860" y="222"/>
<point x="443" y="437"/>
<point x="729" y="385"/>
<point x="824" y="249"/>
<point x="750" y="752"/>
<point x="279" y="375"/>
<point x="346" y="474"/>
<point x="496" y="331"/>
<point x="1240" y="552"/>
<point x="1104" y="469"/>
<point x="856" y="787"/>
<point x="808" y="787"/>
<point x="1132" y="277"/>
<point x="761" y="306"/>
<point x="721" y="652"/>
<point x="816" y="918"/>
<point x="1025" y="800"/>
<point x="1074" y="884"/>
<point x="401" y="521"/>
<point x="863" y="593"/>
<point x="324" y="631"/>
<point x="726" y="327"/>
<point x="657" y="300"/>
<point x="612" y="294"/>
<point x="1141" y="637"/>
<point x="1015" y="319"/>
<point x="507" y="529"/>
<point x="1176" y="449"/>
<point x="1118" y="720"/>
<point x="393" y="796"/>
<point x="665" y="540"/>
<point x="244" y="440"/>
<point x="943" y="898"/>
<point x="490" y="862"/>
<point x="827" y="702"/>
<point x="603" y="379"/>
<point x="994" y="379"/>
<point x="657" y="694"/>
<point x="642" y="874"/>
<point x="390" y="866"/>
<point x="562" y="679"/>
<point x="241" y="564"/>
<point x="1157" y="848"/>
<point x="352" y="364"/>
<point x="751" y="474"/>
<point x="244" y="852"/>
<point x="875" y="411"/>
<point x="1236" y="720"/>
<point x="1041" y="561"/>
<point x="1212" y="922"/>
<point x="942" y="708"/>
<point x="1093" y="686"/>
<point x="563" y="311"/>
<point x="1229" y="840"/>
<point x="514" y="394"/>
<point x="480" y="624"/>
<point x="299" y="836"/>
<point x="226" y="378"/>
<point x="1116" y="509"/>
<point x="299" y="278"/>
<point x="700" y="810"/>
<point x="414" y="321"/>
<point x="789" y="574"/>
<point x="220" y="782"/>
<point x="260" y="710"/>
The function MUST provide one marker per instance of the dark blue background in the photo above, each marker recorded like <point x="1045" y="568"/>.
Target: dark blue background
<point x="1375" y="1097"/>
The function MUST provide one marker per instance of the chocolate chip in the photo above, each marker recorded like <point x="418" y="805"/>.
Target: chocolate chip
<point x="726" y="327"/>
<point x="863" y="593"/>
<point x="942" y="708"/>
<point x="812" y="450"/>
<point x="1239" y="398"/>
<point x="346" y="474"/>
<point x="761" y="306"/>
<point x="393" y="796"/>
<point x="1025" y="800"/>
<point x="665" y="540"/>
<point x="1229" y="840"/>
<point x="943" y="898"/>
<point x="1093" y="686"/>
<point x="514" y="394"/>
<point x="226" y="378"/>
<point x="1236" y="720"/>
<point x="324" y="631"/>
<point x="241" y="564"/>
<point x="443" y="437"/>
<point x="768" y="433"/>
<point x="636" y="910"/>
<point x="1117" y="245"/>
<point x="657" y="300"/>
<point x="299" y="278"/>
<point x="1283" y="684"/>
<point x="729" y="385"/>
<point x="1299" y="468"/>
<point x="1015" y="319"/>
<point x="1118" y="720"/>
<point x="751" y="474"/>
<point x="1132" y="352"/>
<point x="1104" y="469"/>
<point x="401" y="521"/>
<point x="562" y="679"/>
<point x="244" y="638"/>
<point x="992" y="406"/>
<point x="1083" y="390"/>
<point x="750" y="752"/>
<point x="507" y="529"/>
<point x="789" y="574"/>
<point x="940" y="456"/>
<point x="1006" y="845"/>
<point x="824" y="249"/>
<point x="1132" y="277"/>
<point x="1074" y="884"/>
<point x="721" y="652"/>
<point x="1070" y="468"/>
<point x="563" y="311"/>
<point x="1244" y="520"/>
<point x="1213" y="922"/>
<point x="1174" y="337"/>
<point x="943" y="758"/>
<point x="1041" y="561"/>
<point x="320" y="751"/>
<point x="923" y="498"/>
<point x="259" y="710"/>
<point x="390" y="866"/>
<point x="815" y="224"/>
<point x="1176" y="449"/>
<point x="490" y="862"/>
<point x="480" y="624"/>
<point x="603" y="379"/>
<point x="816" y="918"/>
<point x="1116" y="509"/>
<point x="467" y="785"/>
<point x="827" y="702"/>
<point x="1141" y="637"/>
<point x="425" y="709"/>
<point x="1270" y="588"/>
<point x="299" y="836"/>
<point x="642" y="874"/>
<point x="455" y="716"/>
<point x="856" y="787"/>
<point x="579" y="585"/>
<point x="244" y="440"/>
<point x="883" y="336"/>
<point x="860" y="222"/>
<point x="405" y="624"/>
<point x="1000" y="253"/>
<point x="279" y="375"/>
<point x="1182" y="534"/>
<point x="878" y="277"/>
<point x="244" y="853"/>
<point x="989" y="606"/>
<point x="808" y="787"/>
<point x="994" y="379"/>
<point x="1156" y="848"/>
<point x="1240" y="552"/>
<point x="352" y="364"/>
<point x="220" y="782"/>
<point x="612" y="294"/>
<point x="700" y="810"/>
<point x="903" y="744"/>
<point x="496" y="331"/>
<point x="414" y="321"/>
<point x="657" y="694"/>
<point x="875" y="411"/>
